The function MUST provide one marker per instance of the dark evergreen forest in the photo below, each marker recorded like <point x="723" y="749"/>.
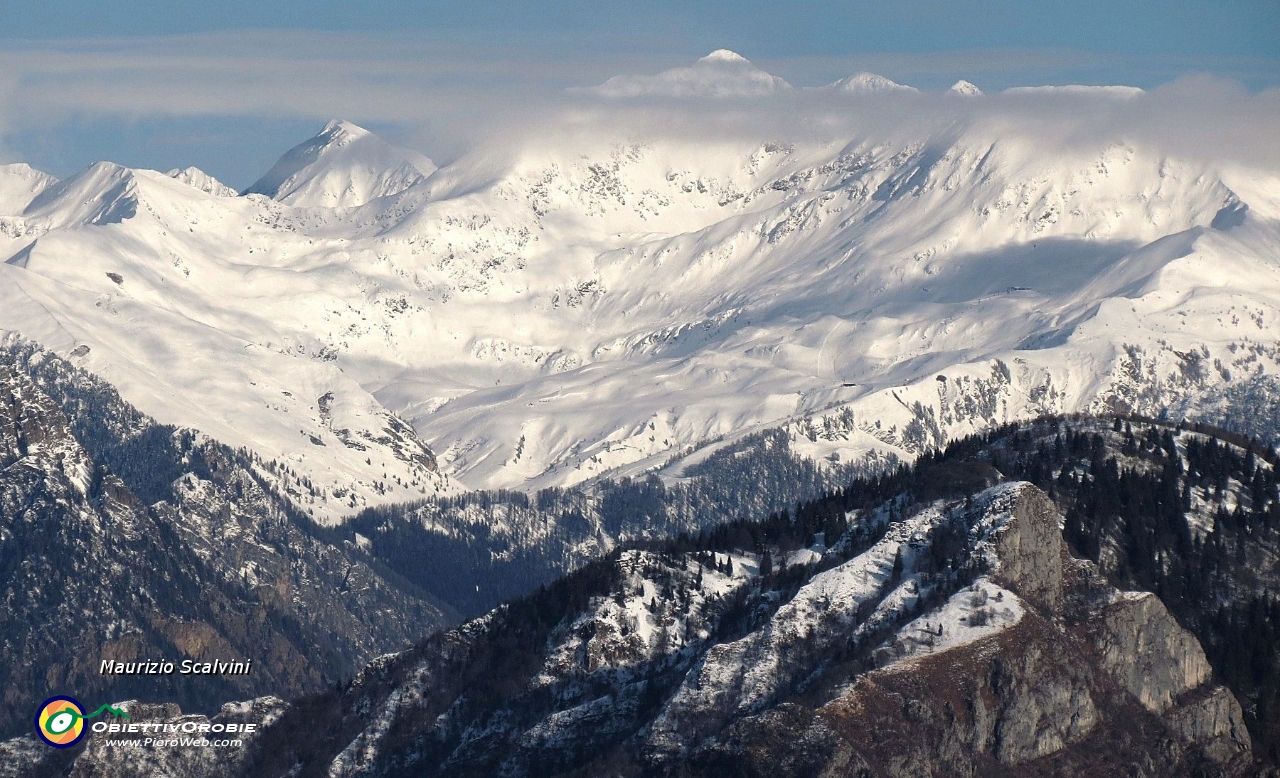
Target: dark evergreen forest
<point x="480" y="549"/>
<point x="1131" y="511"/>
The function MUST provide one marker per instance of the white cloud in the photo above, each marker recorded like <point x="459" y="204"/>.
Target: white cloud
<point x="470" y="92"/>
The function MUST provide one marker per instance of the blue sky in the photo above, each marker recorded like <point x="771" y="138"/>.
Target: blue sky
<point x="228" y="86"/>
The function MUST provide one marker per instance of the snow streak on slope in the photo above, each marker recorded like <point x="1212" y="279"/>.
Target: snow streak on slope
<point x="605" y="296"/>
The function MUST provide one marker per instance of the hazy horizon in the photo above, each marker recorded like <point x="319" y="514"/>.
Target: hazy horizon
<point x="229" y="89"/>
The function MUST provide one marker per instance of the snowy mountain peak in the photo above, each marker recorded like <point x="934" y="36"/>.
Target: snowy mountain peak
<point x="102" y="193"/>
<point x="344" y="165"/>
<point x="343" y="131"/>
<point x="869" y="82"/>
<point x="965" y="88"/>
<point x="725" y="55"/>
<point x="19" y="185"/>
<point x="722" y="73"/>
<point x="201" y="180"/>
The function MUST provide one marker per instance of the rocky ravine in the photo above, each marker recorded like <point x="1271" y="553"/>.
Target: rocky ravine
<point x="941" y="637"/>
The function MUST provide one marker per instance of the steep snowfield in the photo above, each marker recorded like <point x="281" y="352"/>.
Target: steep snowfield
<point x="607" y="296"/>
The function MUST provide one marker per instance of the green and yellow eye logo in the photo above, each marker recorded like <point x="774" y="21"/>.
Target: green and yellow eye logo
<point x="60" y="720"/>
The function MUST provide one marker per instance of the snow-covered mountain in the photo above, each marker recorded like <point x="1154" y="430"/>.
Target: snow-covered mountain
<point x="965" y="88"/>
<point x="868" y="82"/>
<point x="343" y="166"/>
<point x="617" y="296"/>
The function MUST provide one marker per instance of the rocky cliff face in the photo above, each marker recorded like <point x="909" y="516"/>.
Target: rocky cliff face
<point x="1089" y="680"/>
<point x="1038" y="699"/>
<point x="1029" y="550"/>
<point x="1146" y="652"/>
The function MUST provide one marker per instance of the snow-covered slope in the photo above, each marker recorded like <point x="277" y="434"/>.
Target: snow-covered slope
<point x="614" y="297"/>
<point x="152" y="284"/>
<point x="344" y="165"/>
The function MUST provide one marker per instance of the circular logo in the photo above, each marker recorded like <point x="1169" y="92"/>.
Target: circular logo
<point x="60" y="722"/>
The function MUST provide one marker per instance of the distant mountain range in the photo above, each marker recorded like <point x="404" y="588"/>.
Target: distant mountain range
<point x="612" y="300"/>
